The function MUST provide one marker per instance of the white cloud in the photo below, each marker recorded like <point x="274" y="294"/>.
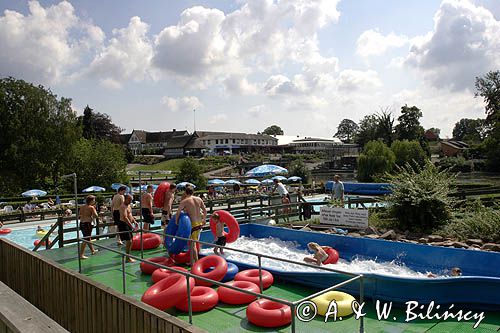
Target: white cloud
<point x="354" y="81"/>
<point x="127" y="56"/>
<point x="183" y="104"/>
<point x="238" y="84"/>
<point x="465" y="43"/>
<point x="257" y="111"/>
<point x="373" y="43"/>
<point x="41" y="46"/>
<point x="217" y="118"/>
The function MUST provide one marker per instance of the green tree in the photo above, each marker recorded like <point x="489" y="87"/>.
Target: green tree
<point x="385" y="126"/>
<point x="420" y="199"/>
<point x="408" y="152"/>
<point x="368" y="130"/>
<point x="409" y="127"/>
<point x="298" y="168"/>
<point x="37" y="131"/>
<point x="190" y="171"/>
<point x="347" y="130"/>
<point x="99" y="126"/>
<point x="98" y="162"/>
<point x="470" y="130"/>
<point x="375" y="160"/>
<point x="273" y="130"/>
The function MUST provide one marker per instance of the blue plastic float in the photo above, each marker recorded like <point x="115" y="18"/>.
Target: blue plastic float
<point x="173" y="244"/>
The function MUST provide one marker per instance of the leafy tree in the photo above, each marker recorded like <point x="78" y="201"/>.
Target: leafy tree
<point x="368" y="130"/>
<point x="385" y="126"/>
<point x="470" y="130"/>
<point x="375" y="160"/>
<point x="420" y="198"/>
<point x="346" y="130"/>
<point x="98" y="162"/>
<point x="409" y="127"/>
<point x="37" y="131"/>
<point x="273" y="130"/>
<point x="99" y="126"/>
<point x="190" y="171"/>
<point x="408" y="152"/>
<point x="299" y="169"/>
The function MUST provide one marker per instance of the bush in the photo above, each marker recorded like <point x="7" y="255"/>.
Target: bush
<point x="190" y="171"/>
<point x="298" y="168"/>
<point x="408" y="152"/>
<point x="456" y="164"/>
<point x="376" y="160"/>
<point x="420" y="198"/>
<point x="475" y="221"/>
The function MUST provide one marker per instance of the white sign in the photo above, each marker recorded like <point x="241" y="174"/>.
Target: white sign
<point x="342" y="217"/>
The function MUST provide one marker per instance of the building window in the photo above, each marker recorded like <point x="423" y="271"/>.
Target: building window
<point x="216" y="141"/>
<point x="227" y="141"/>
<point x="209" y="142"/>
<point x="234" y="141"/>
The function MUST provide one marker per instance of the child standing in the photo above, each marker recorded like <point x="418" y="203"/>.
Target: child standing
<point x="219" y="234"/>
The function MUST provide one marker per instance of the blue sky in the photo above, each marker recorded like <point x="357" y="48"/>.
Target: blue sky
<point x="244" y="65"/>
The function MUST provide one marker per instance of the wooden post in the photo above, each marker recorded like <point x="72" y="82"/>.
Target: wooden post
<point x="60" y="231"/>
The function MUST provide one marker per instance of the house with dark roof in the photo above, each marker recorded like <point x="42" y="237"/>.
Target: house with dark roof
<point x="453" y="148"/>
<point x="234" y="143"/>
<point x="139" y="140"/>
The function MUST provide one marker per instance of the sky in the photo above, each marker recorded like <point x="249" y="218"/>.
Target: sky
<point x="247" y="64"/>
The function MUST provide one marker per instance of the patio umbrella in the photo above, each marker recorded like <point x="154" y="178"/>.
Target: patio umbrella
<point x="294" y="179"/>
<point x="184" y="184"/>
<point x="266" y="170"/>
<point x="34" y="193"/>
<point x="267" y="181"/>
<point x="144" y="188"/>
<point x="252" y="181"/>
<point x="216" y="182"/>
<point x="232" y="182"/>
<point x="280" y="178"/>
<point x="94" y="189"/>
<point x="116" y="186"/>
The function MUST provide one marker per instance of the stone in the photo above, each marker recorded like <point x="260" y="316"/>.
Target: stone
<point x="491" y="247"/>
<point x="423" y="240"/>
<point x="354" y="234"/>
<point x="404" y="240"/>
<point x="373" y="236"/>
<point x="371" y="230"/>
<point x="472" y="241"/>
<point x="437" y="243"/>
<point x="362" y="233"/>
<point x="306" y="229"/>
<point x="435" y="238"/>
<point x="460" y="245"/>
<point x="391" y="234"/>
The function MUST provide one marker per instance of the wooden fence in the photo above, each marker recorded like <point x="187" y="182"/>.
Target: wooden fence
<point x="76" y="302"/>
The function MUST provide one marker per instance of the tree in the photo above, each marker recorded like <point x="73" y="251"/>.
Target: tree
<point x="368" y="130"/>
<point x="470" y="130"/>
<point x="409" y="127"/>
<point x="273" y="130"/>
<point x="37" y="132"/>
<point x="190" y="171"/>
<point x="385" y="125"/>
<point x="299" y="169"/>
<point x="375" y="160"/>
<point x="408" y="152"/>
<point x="347" y="130"/>
<point x="97" y="125"/>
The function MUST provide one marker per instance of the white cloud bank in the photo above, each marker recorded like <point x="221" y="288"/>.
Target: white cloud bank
<point x="183" y="104"/>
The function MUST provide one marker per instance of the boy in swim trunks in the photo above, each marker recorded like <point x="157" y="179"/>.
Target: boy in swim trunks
<point x="319" y="255"/>
<point x="219" y="234"/>
<point x="147" y="208"/>
<point x="197" y="212"/>
<point x="116" y="203"/>
<point x="126" y="225"/>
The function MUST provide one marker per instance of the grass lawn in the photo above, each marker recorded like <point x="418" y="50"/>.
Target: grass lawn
<point x="206" y="164"/>
<point x="172" y="165"/>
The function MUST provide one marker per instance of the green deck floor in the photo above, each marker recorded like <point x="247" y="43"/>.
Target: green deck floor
<point x="105" y="267"/>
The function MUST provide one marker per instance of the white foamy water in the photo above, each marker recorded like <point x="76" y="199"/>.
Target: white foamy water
<point x="292" y="251"/>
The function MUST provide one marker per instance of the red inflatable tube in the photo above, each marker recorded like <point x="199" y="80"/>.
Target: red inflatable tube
<point x="266" y="313"/>
<point x="232" y="225"/>
<point x="38" y="242"/>
<point x="150" y="241"/>
<point x="333" y="256"/>
<point x="149" y="269"/>
<point x="183" y="257"/>
<point x="167" y="292"/>
<point x="5" y="231"/>
<point x="202" y="266"/>
<point x="252" y="275"/>
<point x="202" y="299"/>
<point x="161" y="273"/>
<point x="231" y="296"/>
<point x="159" y="196"/>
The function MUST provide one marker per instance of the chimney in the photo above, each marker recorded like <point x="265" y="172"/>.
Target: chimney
<point x="173" y="130"/>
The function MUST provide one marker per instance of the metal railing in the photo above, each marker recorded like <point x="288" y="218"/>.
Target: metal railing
<point x="293" y="305"/>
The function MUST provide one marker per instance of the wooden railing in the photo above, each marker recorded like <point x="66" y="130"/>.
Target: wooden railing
<point x="76" y="302"/>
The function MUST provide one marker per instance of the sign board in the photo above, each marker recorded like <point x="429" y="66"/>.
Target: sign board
<point x="343" y="217"/>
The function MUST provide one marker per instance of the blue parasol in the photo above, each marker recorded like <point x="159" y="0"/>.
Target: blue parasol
<point x="34" y="193"/>
<point x="252" y="181"/>
<point x="266" y="170"/>
<point x="94" y="189"/>
<point x="216" y="182"/>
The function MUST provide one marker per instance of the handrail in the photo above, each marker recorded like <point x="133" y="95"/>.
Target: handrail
<point x="44" y="239"/>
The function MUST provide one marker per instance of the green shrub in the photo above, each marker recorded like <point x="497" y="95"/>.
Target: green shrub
<point x="456" y="164"/>
<point x="190" y="171"/>
<point x="375" y="160"/>
<point x="408" y="152"/>
<point x="420" y="198"/>
<point x="299" y="169"/>
<point x="475" y="221"/>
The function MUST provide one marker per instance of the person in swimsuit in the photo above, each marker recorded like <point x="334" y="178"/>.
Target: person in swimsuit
<point x="197" y="212"/>
<point x="220" y="239"/>
<point x="117" y="201"/>
<point x="87" y="215"/>
<point x="126" y="225"/>
<point x="166" y="212"/>
<point x="319" y="255"/>
<point x="147" y="208"/>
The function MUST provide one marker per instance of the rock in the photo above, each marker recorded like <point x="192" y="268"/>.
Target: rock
<point x="408" y="241"/>
<point x="371" y="230"/>
<point x="373" y="236"/>
<point x="438" y="243"/>
<point x="435" y="238"/>
<point x="472" y="241"/>
<point x="448" y="243"/>
<point x="391" y="234"/>
<point x="459" y="245"/>
<point x="353" y="234"/>
<point x="362" y="233"/>
<point x="491" y="247"/>
<point x="474" y="246"/>
<point x="306" y="229"/>
<point x="423" y="240"/>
